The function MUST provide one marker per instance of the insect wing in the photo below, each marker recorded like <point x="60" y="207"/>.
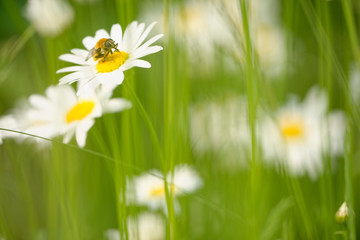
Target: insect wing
<point x="92" y="52"/>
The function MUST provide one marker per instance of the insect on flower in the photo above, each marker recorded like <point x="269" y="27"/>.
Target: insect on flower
<point x="107" y="56"/>
<point x="102" y="49"/>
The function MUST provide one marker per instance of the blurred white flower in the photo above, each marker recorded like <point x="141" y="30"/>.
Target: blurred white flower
<point x="62" y="112"/>
<point x="212" y="33"/>
<point x="300" y="134"/>
<point x="7" y="122"/>
<point x="221" y="128"/>
<point x="49" y="17"/>
<point x="23" y="120"/>
<point x="108" y="71"/>
<point x="198" y="27"/>
<point x="149" y="190"/>
<point x="265" y="30"/>
<point x="112" y="234"/>
<point x="145" y="226"/>
<point x="269" y="37"/>
<point x="271" y="48"/>
<point x="65" y="113"/>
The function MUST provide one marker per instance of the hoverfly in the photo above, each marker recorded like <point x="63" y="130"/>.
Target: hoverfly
<point x="102" y="49"/>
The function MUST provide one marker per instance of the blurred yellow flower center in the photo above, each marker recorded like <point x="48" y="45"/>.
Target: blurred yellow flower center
<point x="38" y="122"/>
<point x="160" y="191"/>
<point x="292" y="129"/>
<point x="80" y="111"/>
<point x="112" y="62"/>
<point x="191" y="20"/>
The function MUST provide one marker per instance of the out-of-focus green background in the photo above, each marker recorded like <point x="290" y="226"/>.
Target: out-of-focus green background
<point x="64" y="192"/>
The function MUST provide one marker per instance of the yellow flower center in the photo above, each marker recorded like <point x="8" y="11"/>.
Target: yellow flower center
<point x="292" y="129"/>
<point x="159" y="191"/>
<point x="111" y="62"/>
<point x="80" y="110"/>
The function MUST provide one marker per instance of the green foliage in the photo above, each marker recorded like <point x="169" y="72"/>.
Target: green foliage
<point x="65" y="192"/>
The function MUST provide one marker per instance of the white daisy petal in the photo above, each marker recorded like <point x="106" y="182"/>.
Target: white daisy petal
<point x="79" y="52"/>
<point x="60" y="93"/>
<point x="135" y="37"/>
<point x="38" y="100"/>
<point x="116" y="34"/>
<point x="71" y="69"/>
<point x="108" y="81"/>
<point x="115" y="77"/>
<point x="89" y="42"/>
<point x="64" y="94"/>
<point x="101" y="34"/>
<point x="70" y="78"/>
<point x="144" y="34"/>
<point x="128" y="38"/>
<point x="68" y="136"/>
<point x="148" y="43"/>
<point x="148" y="51"/>
<point x="87" y="85"/>
<point x="72" y="58"/>
<point x="81" y="132"/>
<point x="116" y="105"/>
<point x="135" y="63"/>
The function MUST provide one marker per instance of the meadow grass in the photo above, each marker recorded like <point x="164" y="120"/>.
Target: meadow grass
<point x="63" y="191"/>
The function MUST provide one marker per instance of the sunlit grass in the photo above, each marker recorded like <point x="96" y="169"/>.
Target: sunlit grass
<point x="213" y="100"/>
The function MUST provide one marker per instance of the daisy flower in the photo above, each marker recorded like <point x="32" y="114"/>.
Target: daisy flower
<point x="25" y="119"/>
<point x="146" y="226"/>
<point x="221" y="127"/>
<point x="199" y="28"/>
<point x="299" y="135"/>
<point x="269" y="37"/>
<point x="266" y="32"/>
<point x="148" y="189"/>
<point x="127" y="49"/>
<point x="62" y="112"/>
<point x="49" y="17"/>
